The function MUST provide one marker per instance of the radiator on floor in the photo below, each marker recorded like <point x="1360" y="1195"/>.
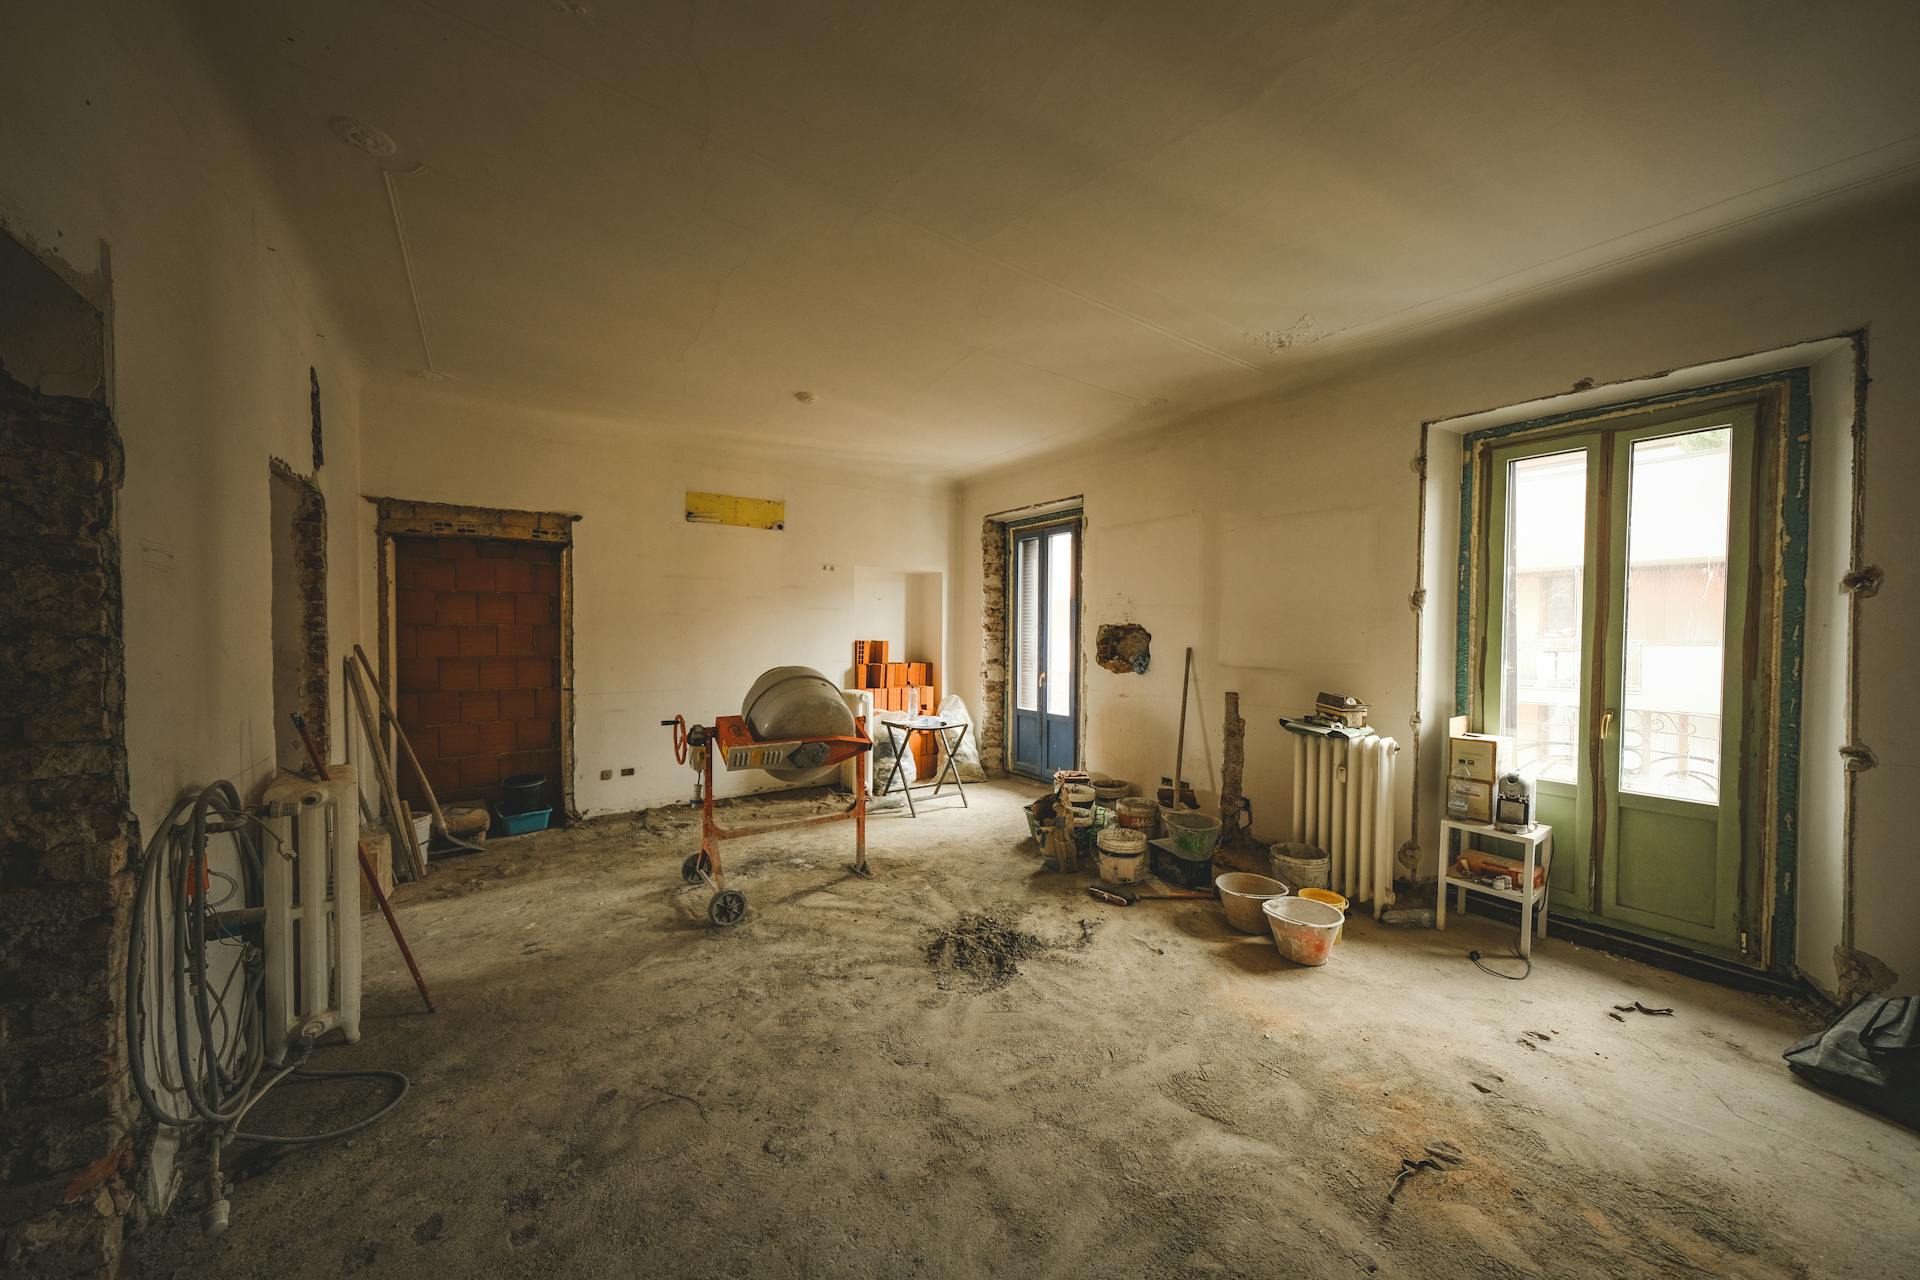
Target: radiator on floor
<point x="1343" y="803"/>
<point x="311" y="889"/>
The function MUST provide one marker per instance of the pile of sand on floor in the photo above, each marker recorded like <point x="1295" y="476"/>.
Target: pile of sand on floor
<point x="982" y="950"/>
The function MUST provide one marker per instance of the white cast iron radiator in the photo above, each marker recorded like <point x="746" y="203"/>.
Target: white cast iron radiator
<point x="1343" y="803"/>
<point x="313" y="908"/>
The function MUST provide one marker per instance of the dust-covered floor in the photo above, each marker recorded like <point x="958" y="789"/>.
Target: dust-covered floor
<point x="613" y="1088"/>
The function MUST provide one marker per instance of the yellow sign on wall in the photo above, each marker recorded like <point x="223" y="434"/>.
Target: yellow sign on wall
<point x="747" y="513"/>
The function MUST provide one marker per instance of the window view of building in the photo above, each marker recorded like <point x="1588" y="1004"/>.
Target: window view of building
<point x="1668" y="734"/>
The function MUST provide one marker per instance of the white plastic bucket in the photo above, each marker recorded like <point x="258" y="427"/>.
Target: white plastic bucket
<point x="1302" y="928"/>
<point x="1243" y="894"/>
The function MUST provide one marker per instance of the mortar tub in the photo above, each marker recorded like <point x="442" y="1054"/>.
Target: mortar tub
<point x="1302" y="929"/>
<point x="1243" y="895"/>
<point x="1334" y="900"/>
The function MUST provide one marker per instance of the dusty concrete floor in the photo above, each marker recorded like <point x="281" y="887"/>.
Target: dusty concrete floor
<point x="612" y="1088"/>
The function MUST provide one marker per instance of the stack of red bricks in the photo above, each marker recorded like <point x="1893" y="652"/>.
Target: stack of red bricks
<point x="898" y="686"/>
<point x="478" y="635"/>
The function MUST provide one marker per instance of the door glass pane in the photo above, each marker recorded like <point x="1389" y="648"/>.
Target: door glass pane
<point x="1026" y="623"/>
<point x="1545" y="584"/>
<point x="1060" y="623"/>
<point x="1676" y="615"/>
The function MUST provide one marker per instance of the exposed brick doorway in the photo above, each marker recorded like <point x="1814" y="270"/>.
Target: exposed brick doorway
<point x="477" y="615"/>
<point x="69" y="1127"/>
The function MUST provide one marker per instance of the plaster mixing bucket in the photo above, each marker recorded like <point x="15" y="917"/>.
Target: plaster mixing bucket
<point x="1302" y="928"/>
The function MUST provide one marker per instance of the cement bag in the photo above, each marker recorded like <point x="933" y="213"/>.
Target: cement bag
<point x="883" y="758"/>
<point x="966" y="760"/>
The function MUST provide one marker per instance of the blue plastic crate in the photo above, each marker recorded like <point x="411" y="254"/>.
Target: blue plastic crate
<point x="519" y="824"/>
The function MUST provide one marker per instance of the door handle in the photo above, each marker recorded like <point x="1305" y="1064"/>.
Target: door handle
<point x="1606" y="724"/>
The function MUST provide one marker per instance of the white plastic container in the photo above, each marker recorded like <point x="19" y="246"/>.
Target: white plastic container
<point x="1122" y="854"/>
<point x="1302" y="928"/>
<point x="1243" y="894"/>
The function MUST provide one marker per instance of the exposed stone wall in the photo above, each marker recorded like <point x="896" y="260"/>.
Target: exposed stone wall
<point x="67" y="1121"/>
<point x="990" y="719"/>
<point x="309" y="534"/>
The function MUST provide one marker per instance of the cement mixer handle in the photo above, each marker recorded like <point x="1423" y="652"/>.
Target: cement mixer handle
<point x="679" y="726"/>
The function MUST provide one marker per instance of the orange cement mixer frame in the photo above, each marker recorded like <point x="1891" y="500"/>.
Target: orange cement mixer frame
<point x="731" y="739"/>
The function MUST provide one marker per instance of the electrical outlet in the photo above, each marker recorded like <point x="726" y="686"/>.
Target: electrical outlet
<point x="626" y="773"/>
<point x="606" y="775"/>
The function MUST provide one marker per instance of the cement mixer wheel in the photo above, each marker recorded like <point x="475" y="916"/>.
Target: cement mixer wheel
<point x="728" y="908"/>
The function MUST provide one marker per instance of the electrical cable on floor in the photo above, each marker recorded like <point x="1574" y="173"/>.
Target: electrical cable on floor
<point x="216" y="1052"/>
<point x="1514" y="950"/>
<point x="317" y="1073"/>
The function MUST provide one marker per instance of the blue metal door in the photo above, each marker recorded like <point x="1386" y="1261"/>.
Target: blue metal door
<point x="1044" y="646"/>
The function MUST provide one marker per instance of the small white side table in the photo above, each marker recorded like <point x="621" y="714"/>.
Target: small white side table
<point x="1539" y="843"/>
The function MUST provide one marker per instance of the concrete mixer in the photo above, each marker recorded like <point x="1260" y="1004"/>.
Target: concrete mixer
<point x="793" y="724"/>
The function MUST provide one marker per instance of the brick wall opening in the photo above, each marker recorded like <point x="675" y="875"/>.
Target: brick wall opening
<point x="477" y="644"/>
<point x="298" y="514"/>
<point x="67" y="1120"/>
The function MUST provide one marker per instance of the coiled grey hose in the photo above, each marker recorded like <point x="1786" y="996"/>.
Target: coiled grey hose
<point x="219" y="1068"/>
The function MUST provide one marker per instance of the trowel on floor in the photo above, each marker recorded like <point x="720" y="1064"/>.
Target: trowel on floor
<point x="1125" y="895"/>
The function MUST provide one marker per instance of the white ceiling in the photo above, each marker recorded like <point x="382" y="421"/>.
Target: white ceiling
<point x="977" y="228"/>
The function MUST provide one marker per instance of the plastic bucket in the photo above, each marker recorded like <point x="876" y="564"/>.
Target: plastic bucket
<point x="1194" y="833"/>
<point x="523" y="793"/>
<point x="1303" y="929"/>
<point x="1122" y="854"/>
<point x="1333" y="900"/>
<point x="1088" y="823"/>
<point x="1301" y="865"/>
<point x="1243" y="894"/>
<point x="1138" y="814"/>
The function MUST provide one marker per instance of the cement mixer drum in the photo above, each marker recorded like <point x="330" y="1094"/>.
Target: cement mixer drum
<point x="797" y="702"/>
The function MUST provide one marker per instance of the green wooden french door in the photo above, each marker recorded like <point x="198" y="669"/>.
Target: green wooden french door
<point x="1615" y="641"/>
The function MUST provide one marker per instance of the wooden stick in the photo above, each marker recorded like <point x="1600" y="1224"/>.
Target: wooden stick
<point x="1180" y="749"/>
<point x="399" y="731"/>
<point x="406" y="952"/>
<point x="417" y="862"/>
<point x="306" y="741"/>
<point x="386" y="710"/>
